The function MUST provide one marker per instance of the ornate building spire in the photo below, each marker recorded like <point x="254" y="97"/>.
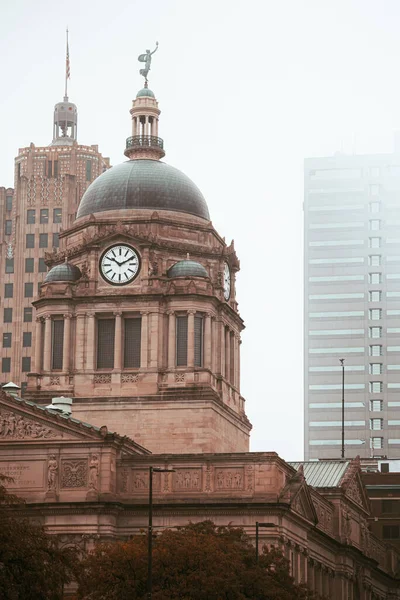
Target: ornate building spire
<point x="144" y="142"/>
<point x="65" y="122"/>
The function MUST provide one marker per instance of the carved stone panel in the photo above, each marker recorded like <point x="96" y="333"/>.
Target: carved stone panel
<point x="26" y="474"/>
<point x="14" y="426"/>
<point x="139" y="481"/>
<point x="229" y="478"/>
<point x="74" y="473"/>
<point x="187" y="480"/>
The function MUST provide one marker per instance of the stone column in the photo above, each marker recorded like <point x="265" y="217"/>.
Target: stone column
<point x="190" y="339"/>
<point x="144" y="349"/>
<point x="171" y="339"/>
<point x="90" y="341"/>
<point x="38" y="346"/>
<point x="118" y="341"/>
<point x="228" y="354"/>
<point x="66" y="362"/>
<point x="47" y="343"/>
<point x="146" y="126"/>
<point x="207" y="341"/>
<point x="310" y="575"/>
<point x="79" y="341"/>
<point x="222" y="348"/>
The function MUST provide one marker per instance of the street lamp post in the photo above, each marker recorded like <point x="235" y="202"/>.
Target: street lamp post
<point x="342" y="363"/>
<point x="258" y="525"/>
<point x="150" y="530"/>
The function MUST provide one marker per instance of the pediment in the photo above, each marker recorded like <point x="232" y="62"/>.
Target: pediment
<point x="303" y="505"/>
<point x="27" y="422"/>
<point x="355" y="490"/>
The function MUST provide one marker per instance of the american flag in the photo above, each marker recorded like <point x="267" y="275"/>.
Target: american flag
<point x="67" y="68"/>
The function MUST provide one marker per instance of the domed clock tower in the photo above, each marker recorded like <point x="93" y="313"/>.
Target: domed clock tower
<point x="137" y="319"/>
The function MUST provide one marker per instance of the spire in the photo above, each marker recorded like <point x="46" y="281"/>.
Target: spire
<point x="65" y="120"/>
<point x="144" y="142"/>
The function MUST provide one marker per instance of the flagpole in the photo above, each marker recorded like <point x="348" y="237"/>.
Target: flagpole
<point x="66" y="71"/>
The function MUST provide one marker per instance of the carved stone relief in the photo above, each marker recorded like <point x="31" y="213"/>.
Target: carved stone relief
<point x="13" y="426"/>
<point x="52" y="472"/>
<point x="94" y="472"/>
<point x="187" y="480"/>
<point x="102" y="379"/>
<point x="229" y="479"/>
<point x="140" y="481"/>
<point x="74" y="473"/>
<point x="129" y="378"/>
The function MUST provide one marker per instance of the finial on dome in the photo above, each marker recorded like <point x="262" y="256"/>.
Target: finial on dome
<point x="187" y="256"/>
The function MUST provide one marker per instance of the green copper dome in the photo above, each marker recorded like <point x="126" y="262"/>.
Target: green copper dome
<point x="63" y="272"/>
<point x="145" y="92"/>
<point x="145" y="183"/>
<point x="187" y="268"/>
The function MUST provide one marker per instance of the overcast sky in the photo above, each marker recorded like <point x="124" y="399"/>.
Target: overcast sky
<point x="247" y="90"/>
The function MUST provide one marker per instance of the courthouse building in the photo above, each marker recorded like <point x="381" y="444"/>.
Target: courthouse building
<point x="137" y="364"/>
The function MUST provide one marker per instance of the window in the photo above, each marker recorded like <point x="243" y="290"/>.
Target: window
<point x="328" y="332"/>
<point x="8" y="227"/>
<point x="375" y="387"/>
<point x="374" y="225"/>
<point x="375" y="350"/>
<point x="198" y="342"/>
<point x="384" y="467"/>
<point x="347" y="349"/>
<point x="374" y="242"/>
<point x="375" y="296"/>
<point x="55" y="169"/>
<point x="374" y="260"/>
<point x="375" y="368"/>
<point x="27" y="315"/>
<point x="375" y="278"/>
<point x="44" y="216"/>
<point x="43" y="240"/>
<point x="9" y="203"/>
<point x="391" y="532"/>
<point x="30" y="240"/>
<point x="8" y="290"/>
<point x="376" y="405"/>
<point x="9" y="265"/>
<point x="30" y="217"/>
<point x="49" y="168"/>
<point x="26" y="339"/>
<point x="57" y="340"/>
<point x="29" y="265"/>
<point x="5" y="365"/>
<point x="340" y="313"/>
<point x="390" y="506"/>
<point x="336" y="261"/>
<point x="7" y="316"/>
<point x="181" y="341"/>
<point x="375" y="314"/>
<point x="105" y="343"/>
<point x="7" y="338"/>
<point x="375" y="332"/>
<point x="57" y="215"/>
<point x="337" y="278"/>
<point x="376" y="442"/>
<point x="42" y="266"/>
<point x="28" y="291"/>
<point x="132" y="343"/>
<point x="374" y="207"/>
<point x="336" y="296"/>
<point x="337" y="243"/>
<point x="24" y="385"/>
<point x="88" y="170"/>
<point x="376" y="424"/>
<point x="56" y="242"/>
<point x="374" y="189"/>
<point x="26" y="364"/>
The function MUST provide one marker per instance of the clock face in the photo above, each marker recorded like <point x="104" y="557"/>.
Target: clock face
<point x="119" y="264"/>
<point x="227" y="282"/>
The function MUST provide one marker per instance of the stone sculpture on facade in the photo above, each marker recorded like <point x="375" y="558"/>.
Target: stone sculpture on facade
<point x="52" y="469"/>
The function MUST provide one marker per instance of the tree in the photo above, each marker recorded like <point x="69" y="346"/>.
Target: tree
<point x="32" y="567"/>
<point x="196" y="562"/>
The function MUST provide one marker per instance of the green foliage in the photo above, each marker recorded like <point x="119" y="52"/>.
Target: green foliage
<point x="196" y="562"/>
<point x="32" y="567"/>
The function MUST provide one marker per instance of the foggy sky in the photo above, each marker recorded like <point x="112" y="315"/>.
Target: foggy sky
<point x="247" y="91"/>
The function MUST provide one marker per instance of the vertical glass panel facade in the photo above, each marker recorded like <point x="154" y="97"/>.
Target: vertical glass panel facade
<point x="181" y="341"/>
<point x="105" y="343"/>
<point x="57" y="340"/>
<point x="132" y="343"/>
<point x="198" y="341"/>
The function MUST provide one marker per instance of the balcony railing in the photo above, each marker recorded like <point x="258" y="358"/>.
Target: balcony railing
<point x="144" y="141"/>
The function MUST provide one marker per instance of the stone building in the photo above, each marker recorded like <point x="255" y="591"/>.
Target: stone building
<point x="138" y="333"/>
<point x="49" y="182"/>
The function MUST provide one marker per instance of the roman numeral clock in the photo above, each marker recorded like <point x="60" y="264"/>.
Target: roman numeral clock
<point x="119" y="264"/>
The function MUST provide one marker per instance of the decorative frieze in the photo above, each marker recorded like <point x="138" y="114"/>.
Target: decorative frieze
<point x="104" y="378"/>
<point x="228" y="478"/>
<point x="13" y="426"/>
<point x="129" y="378"/>
<point x="188" y="480"/>
<point x="74" y="473"/>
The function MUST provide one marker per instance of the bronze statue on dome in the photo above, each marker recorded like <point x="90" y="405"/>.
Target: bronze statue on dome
<point x="146" y="58"/>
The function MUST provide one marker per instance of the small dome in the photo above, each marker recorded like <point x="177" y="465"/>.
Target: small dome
<point x="145" y="92"/>
<point x="187" y="268"/>
<point x="145" y="183"/>
<point x="63" y="272"/>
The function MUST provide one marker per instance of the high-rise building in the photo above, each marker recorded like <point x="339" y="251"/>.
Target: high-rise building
<point x="49" y="183"/>
<point x="352" y="305"/>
